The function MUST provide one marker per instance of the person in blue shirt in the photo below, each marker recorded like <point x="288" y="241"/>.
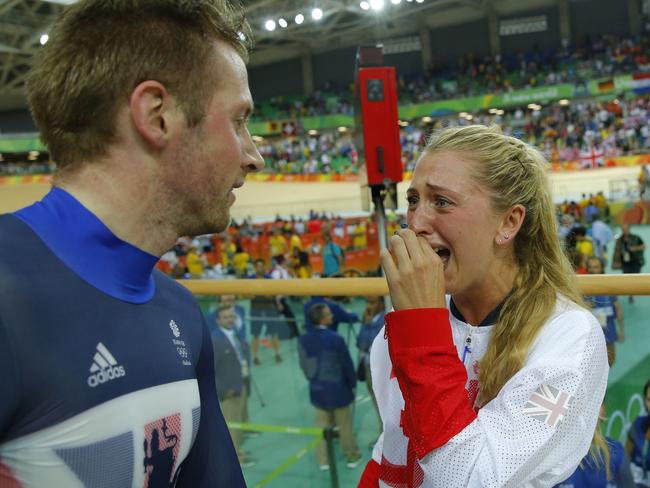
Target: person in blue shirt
<point x="592" y="475"/>
<point x="637" y="446"/>
<point x="371" y="324"/>
<point x="608" y="311"/>
<point x="107" y="364"/>
<point x="340" y="313"/>
<point x="326" y="362"/>
<point x="600" y="472"/>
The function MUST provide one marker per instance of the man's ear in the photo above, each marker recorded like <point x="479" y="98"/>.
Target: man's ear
<point x="153" y="112"/>
<point x="512" y="221"/>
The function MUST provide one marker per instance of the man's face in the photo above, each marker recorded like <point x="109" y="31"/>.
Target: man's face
<point x="259" y="268"/>
<point x="227" y="318"/>
<point x="328" y="317"/>
<point x="213" y="158"/>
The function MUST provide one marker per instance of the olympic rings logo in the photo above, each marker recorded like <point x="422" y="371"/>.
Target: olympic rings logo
<point x="617" y="420"/>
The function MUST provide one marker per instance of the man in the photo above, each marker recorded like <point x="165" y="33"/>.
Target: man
<point x="278" y="245"/>
<point x="333" y="257"/>
<point x="339" y="313"/>
<point x="602" y="236"/>
<point x="226" y="301"/>
<point x="628" y="253"/>
<point x="232" y="366"/>
<point x="326" y="362"/>
<point x="265" y="312"/>
<point x="107" y="365"/>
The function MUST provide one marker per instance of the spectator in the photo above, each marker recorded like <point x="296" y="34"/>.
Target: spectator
<point x="265" y="314"/>
<point x="608" y="311"/>
<point x="326" y="362"/>
<point x="637" y="446"/>
<point x="333" y="256"/>
<point x="371" y="324"/>
<point x="602" y="236"/>
<point x="232" y="372"/>
<point x="340" y="314"/>
<point x="611" y="472"/>
<point x="277" y="244"/>
<point x="628" y="253"/>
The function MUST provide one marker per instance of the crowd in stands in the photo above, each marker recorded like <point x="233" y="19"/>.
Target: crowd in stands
<point x="319" y="245"/>
<point x="588" y="131"/>
<point x="473" y="75"/>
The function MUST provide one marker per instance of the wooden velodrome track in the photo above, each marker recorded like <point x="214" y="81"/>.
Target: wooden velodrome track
<point x="613" y="284"/>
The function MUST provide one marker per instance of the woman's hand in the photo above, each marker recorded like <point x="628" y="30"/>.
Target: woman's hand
<point x="415" y="273"/>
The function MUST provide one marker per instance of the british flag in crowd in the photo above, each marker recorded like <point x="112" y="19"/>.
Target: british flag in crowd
<point x="548" y="404"/>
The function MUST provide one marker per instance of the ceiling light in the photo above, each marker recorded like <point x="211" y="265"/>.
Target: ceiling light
<point x="427" y="119"/>
<point x="376" y="4"/>
<point x="342" y="129"/>
<point x="500" y="112"/>
<point x="299" y="19"/>
<point x="269" y="25"/>
<point x="564" y="101"/>
<point x="395" y="2"/>
<point x="283" y="23"/>
<point x="316" y="14"/>
<point x="313" y="132"/>
<point x="364" y="5"/>
<point x="44" y="39"/>
<point x="419" y="1"/>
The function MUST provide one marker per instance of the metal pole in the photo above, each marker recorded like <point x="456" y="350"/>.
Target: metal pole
<point x="378" y="200"/>
<point x="329" y="433"/>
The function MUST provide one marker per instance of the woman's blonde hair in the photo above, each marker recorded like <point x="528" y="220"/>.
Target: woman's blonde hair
<point x="512" y="172"/>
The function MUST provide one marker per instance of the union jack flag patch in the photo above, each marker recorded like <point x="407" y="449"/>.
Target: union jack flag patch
<point x="548" y="404"/>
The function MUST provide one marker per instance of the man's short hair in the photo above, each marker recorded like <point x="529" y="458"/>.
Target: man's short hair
<point x="317" y="312"/>
<point x="225" y="308"/>
<point x="100" y="50"/>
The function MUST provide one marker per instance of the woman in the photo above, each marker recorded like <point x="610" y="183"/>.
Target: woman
<point x="499" y="383"/>
<point x="637" y="446"/>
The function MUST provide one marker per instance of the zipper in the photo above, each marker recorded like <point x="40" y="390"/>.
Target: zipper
<point x="468" y="344"/>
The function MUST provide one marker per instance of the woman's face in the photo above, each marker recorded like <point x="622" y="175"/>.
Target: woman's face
<point x="454" y="214"/>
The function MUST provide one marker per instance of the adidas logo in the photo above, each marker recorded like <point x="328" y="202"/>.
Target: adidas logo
<point x="104" y="367"/>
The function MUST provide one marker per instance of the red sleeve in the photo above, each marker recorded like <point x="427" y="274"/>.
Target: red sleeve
<point x="370" y="476"/>
<point x="431" y="377"/>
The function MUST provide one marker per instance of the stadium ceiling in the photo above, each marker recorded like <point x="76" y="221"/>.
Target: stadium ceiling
<point x="344" y="23"/>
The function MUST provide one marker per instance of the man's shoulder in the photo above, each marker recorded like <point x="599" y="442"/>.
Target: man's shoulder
<point x="14" y="234"/>
<point x="172" y="289"/>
